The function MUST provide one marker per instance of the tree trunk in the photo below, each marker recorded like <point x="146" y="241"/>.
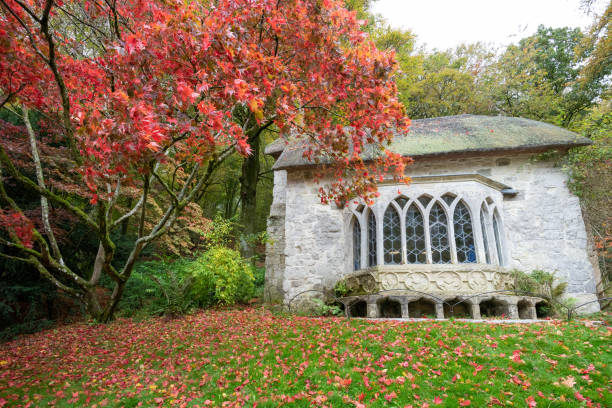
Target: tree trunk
<point x="91" y="302"/>
<point x="248" y="191"/>
<point x="109" y="311"/>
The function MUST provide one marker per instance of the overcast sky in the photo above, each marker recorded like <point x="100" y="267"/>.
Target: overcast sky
<point x="445" y="24"/>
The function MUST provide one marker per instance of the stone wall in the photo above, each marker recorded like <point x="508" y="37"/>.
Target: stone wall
<point x="543" y="225"/>
<point x="275" y="248"/>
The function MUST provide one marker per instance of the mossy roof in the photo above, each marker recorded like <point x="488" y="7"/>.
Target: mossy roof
<point x="459" y="134"/>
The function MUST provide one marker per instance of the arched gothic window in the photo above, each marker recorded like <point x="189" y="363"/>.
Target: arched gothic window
<point x="427" y="232"/>
<point x="392" y="236"/>
<point x="371" y="239"/>
<point x="415" y="236"/>
<point x="356" y="244"/>
<point x="497" y="232"/>
<point x="464" y="234"/>
<point x="484" y="214"/>
<point x="438" y="229"/>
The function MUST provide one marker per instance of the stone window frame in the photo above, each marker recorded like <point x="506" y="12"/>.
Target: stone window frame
<point x="472" y="221"/>
<point x="405" y="238"/>
<point x="356" y="255"/>
<point x="450" y="233"/>
<point x="498" y="234"/>
<point x="379" y="208"/>
<point x="483" y="219"/>
<point x="496" y="241"/>
<point x="365" y="239"/>
<point x="401" y="213"/>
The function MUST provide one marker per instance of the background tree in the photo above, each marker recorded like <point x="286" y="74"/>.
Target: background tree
<point x="590" y="178"/>
<point x="556" y="54"/>
<point x="597" y="43"/>
<point x="450" y="83"/>
<point x="518" y="86"/>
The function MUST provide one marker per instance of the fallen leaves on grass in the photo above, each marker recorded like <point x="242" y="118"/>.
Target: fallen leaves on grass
<point x="251" y="357"/>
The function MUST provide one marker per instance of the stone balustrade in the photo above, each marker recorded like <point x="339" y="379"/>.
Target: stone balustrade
<point x="395" y="305"/>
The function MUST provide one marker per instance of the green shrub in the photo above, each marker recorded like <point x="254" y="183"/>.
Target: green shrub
<point x="542" y="284"/>
<point x="259" y="273"/>
<point x="175" y="289"/>
<point x="222" y="273"/>
<point x="222" y="233"/>
<point x="172" y="288"/>
<point x="323" y="309"/>
<point x="260" y="276"/>
<point x="27" y="327"/>
<point x="523" y="283"/>
<point x="538" y="282"/>
<point x="341" y="289"/>
<point x="154" y="287"/>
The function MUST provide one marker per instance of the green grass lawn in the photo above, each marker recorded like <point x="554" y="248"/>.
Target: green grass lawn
<point x="253" y="358"/>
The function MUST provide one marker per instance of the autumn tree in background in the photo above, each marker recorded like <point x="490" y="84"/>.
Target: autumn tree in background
<point x="596" y="45"/>
<point x="591" y="167"/>
<point x="142" y="101"/>
<point x="591" y="177"/>
<point x="450" y="83"/>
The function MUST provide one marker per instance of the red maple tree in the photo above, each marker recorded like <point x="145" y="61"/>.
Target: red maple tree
<point x="152" y="96"/>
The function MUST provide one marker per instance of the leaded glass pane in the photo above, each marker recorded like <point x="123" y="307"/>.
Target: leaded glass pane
<point x="392" y="236"/>
<point x="356" y="244"/>
<point x="415" y="236"/>
<point x="448" y="198"/>
<point x="498" y="244"/>
<point x="438" y="229"/>
<point x="401" y="201"/>
<point x="485" y="234"/>
<point x="464" y="234"/>
<point x="424" y="199"/>
<point x="371" y="239"/>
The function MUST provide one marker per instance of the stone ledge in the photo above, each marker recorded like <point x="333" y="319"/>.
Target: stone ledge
<point x="428" y="278"/>
<point x="490" y="321"/>
<point x="398" y="305"/>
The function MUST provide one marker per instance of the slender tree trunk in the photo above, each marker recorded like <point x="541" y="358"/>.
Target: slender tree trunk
<point x="109" y="311"/>
<point x="44" y="205"/>
<point x="91" y="302"/>
<point x="248" y="191"/>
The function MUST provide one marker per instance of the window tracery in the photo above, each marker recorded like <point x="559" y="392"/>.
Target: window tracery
<point x="497" y="233"/>
<point x="392" y="238"/>
<point x="485" y="232"/>
<point x="412" y="234"/>
<point x="371" y="239"/>
<point x="356" y="244"/>
<point x="438" y="227"/>
<point x="464" y="234"/>
<point x="415" y="236"/>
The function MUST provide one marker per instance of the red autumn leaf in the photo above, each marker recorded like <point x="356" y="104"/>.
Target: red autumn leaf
<point x="531" y="403"/>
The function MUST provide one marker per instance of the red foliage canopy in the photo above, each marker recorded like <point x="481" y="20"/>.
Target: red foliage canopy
<point x="136" y="95"/>
<point x="170" y="74"/>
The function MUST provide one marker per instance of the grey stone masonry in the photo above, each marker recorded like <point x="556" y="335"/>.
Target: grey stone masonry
<point x="539" y="227"/>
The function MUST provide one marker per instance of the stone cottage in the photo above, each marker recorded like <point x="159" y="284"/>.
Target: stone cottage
<point x="487" y="196"/>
